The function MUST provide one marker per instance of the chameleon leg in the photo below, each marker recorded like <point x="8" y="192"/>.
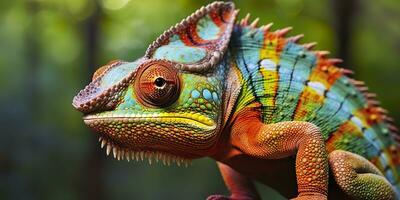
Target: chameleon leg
<point x="240" y="186"/>
<point x="358" y="177"/>
<point x="274" y="141"/>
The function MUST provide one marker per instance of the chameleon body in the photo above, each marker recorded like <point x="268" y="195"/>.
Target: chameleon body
<point x="262" y="105"/>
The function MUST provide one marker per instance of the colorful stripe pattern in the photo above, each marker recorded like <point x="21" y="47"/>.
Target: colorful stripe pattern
<point x="292" y="83"/>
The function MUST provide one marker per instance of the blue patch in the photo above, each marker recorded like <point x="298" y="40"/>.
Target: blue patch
<point x="215" y="97"/>
<point x="207" y="29"/>
<point x="176" y="51"/>
<point x="370" y="135"/>
<point x="390" y="176"/>
<point x="129" y="101"/>
<point x="296" y="66"/>
<point x="116" y="74"/>
<point x="384" y="160"/>
<point x="195" y="94"/>
<point x="207" y="94"/>
<point x="249" y="58"/>
<point x="334" y="109"/>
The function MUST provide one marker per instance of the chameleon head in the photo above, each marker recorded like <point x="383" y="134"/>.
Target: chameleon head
<point x="167" y="104"/>
<point x="155" y="110"/>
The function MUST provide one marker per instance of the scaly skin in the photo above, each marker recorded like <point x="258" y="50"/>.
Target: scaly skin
<point x="263" y="106"/>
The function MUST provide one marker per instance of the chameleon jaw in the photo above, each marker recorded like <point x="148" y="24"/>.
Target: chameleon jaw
<point x="121" y="153"/>
<point x="158" y="137"/>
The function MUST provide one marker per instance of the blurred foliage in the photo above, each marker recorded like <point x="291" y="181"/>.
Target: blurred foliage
<point x="45" y="146"/>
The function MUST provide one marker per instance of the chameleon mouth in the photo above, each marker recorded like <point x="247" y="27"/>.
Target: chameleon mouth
<point x="195" y="119"/>
<point x="121" y="153"/>
<point x="143" y="136"/>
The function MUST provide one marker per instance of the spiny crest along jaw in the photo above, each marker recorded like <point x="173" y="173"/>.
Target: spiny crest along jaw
<point x="121" y="153"/>
<point x="181" y="135"/>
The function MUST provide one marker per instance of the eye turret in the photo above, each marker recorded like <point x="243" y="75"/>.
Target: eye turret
<point x="157" y="85"/>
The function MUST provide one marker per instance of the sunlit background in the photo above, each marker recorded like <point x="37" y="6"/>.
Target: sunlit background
<point x="49" y="49"/>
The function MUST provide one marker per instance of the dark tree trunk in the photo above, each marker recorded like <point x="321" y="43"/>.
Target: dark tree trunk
<point x="32" y="60"/>
<point x="92" y="182"/>
<point x="343" y="16"/>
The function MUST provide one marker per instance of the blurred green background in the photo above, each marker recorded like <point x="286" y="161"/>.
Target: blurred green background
<point x="49" y="49"/>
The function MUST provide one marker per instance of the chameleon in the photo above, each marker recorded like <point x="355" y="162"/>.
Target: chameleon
<point x="264" y="106"/>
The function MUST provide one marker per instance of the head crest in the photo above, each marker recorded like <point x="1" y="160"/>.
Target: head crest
<point x="198" y="42"/>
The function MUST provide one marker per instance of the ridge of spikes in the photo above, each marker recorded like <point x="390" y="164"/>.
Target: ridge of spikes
<point x="281" y="33"/>
<point x="284" y="31"/>
<point x="254" y="23"/>
<point x="322" y="53"/>
<point x="267" y="27"/>
<point x="245" y="20"/>
<point x="335" y="61"/>
<point x="375" y="104"/>
<point x="120" y="153"/>
<point x="296" y="38"/>
<point x="310" y="46"/>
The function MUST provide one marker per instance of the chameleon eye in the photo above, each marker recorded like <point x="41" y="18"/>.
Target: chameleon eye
<point x="157" y="85"/>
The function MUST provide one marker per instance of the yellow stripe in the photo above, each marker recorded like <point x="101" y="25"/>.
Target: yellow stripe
<point x="270" y="86"/>
<point x="269" y="50"/>
<point x="308" y="101"/>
